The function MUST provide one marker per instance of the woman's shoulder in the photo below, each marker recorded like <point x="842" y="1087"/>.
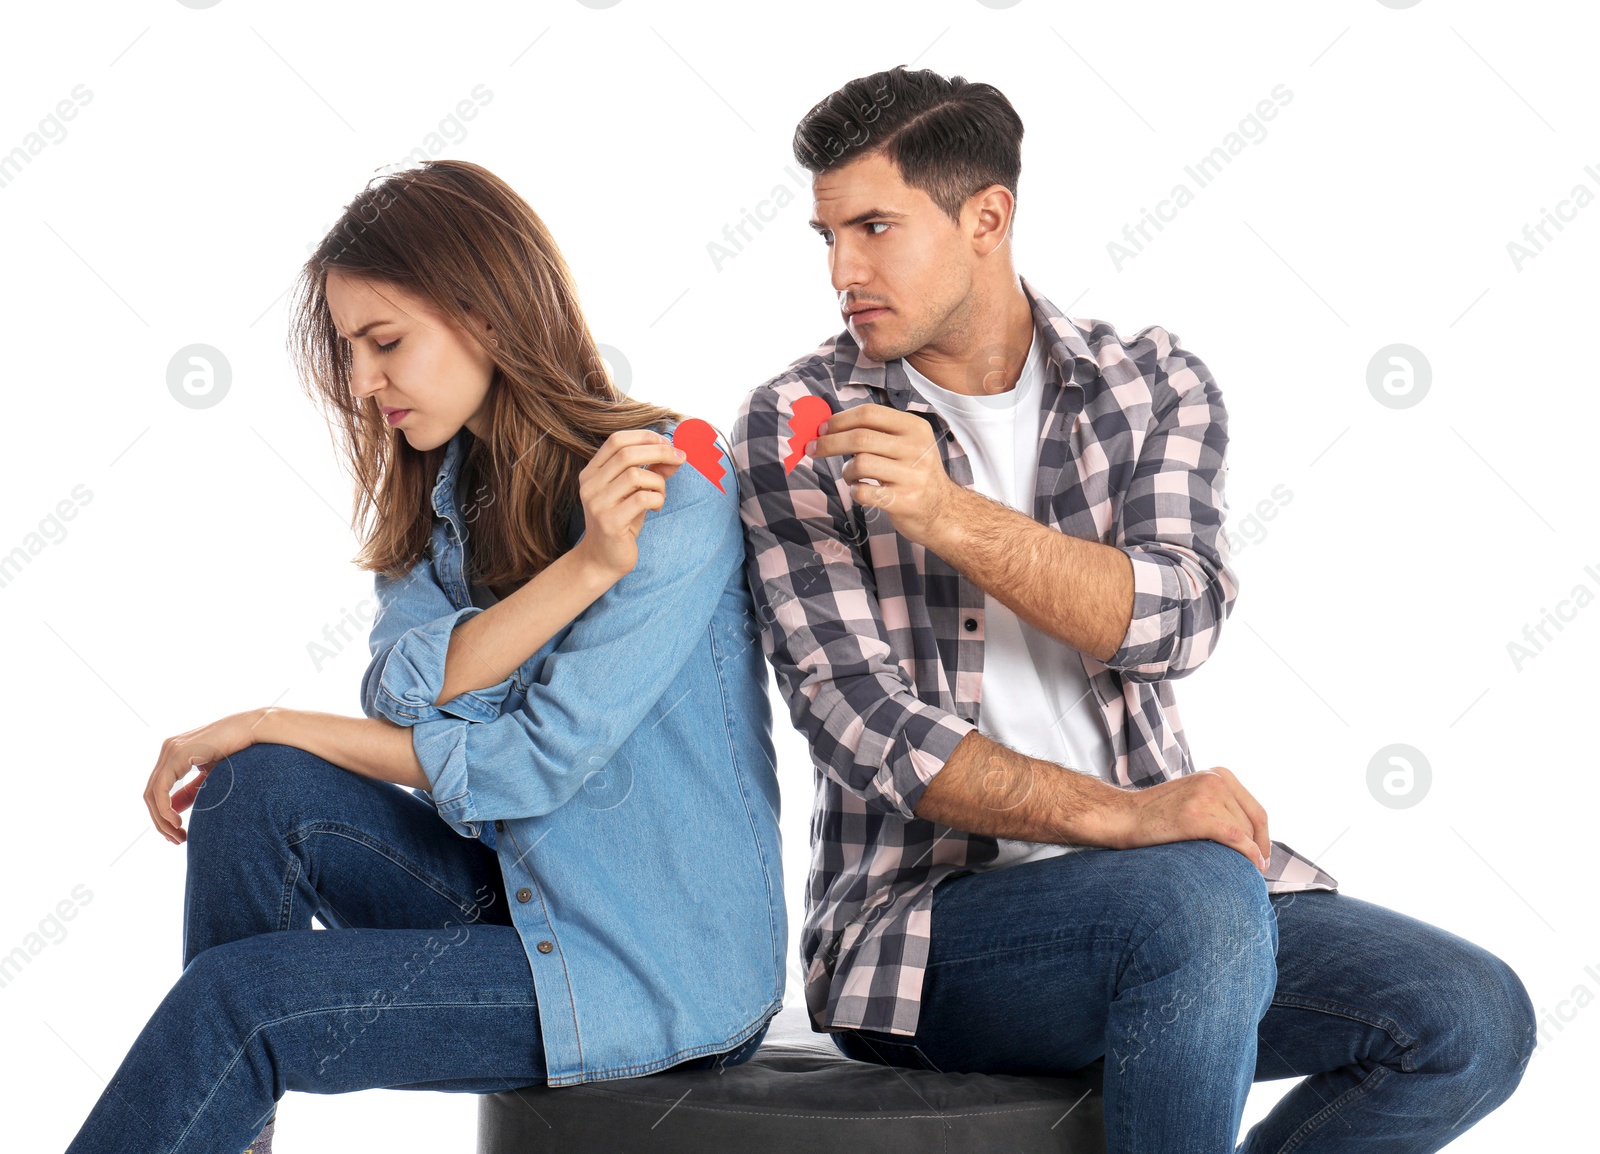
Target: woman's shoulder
<point x="699" y="515"/>
<point x="706" y="475"/>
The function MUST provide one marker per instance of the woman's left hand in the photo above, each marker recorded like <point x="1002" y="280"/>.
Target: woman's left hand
<point x="197" y="749"/>
<point x="625" y="480"/>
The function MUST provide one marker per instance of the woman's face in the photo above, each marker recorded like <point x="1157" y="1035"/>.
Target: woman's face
<point x="427" y="374"/>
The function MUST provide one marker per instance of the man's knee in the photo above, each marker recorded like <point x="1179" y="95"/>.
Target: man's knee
<point x="1496" y="1026"/>
<point x="1207" y="906"/>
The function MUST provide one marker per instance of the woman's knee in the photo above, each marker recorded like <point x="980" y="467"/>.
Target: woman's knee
<point x="244" y="784"/>
<point x="234" y="988"/>
<point x="265" y="1002"/>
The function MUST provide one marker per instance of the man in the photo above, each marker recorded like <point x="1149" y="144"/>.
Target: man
<point x="977" y="582"/>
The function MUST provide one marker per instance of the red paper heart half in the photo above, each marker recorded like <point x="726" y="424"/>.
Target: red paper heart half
<point x="809" y="412"/>
<point x="698" y="439"/>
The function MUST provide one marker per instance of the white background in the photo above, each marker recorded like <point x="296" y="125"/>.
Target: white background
<point x="1376" y="606"/>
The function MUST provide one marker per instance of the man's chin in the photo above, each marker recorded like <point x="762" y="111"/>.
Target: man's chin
<point x="881" y="347"/>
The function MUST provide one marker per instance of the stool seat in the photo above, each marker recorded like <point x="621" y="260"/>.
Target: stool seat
<point x="799" y="1093"/>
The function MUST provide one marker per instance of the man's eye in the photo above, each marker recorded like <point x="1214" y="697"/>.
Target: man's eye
<point x="827" y="237"/>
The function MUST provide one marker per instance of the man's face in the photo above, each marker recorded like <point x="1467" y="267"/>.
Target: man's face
<point x="892" y="252"/>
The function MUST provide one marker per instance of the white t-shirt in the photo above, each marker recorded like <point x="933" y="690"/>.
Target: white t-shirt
<point x="1036" y="697"/>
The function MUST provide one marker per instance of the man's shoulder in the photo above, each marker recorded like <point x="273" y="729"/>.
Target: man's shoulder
<point x="1107" y="344"/>
<point x="1099" y="340"/>
<point x="1150" y="368"/>
<point x="826" y="372"/>
<point x="1100" y="334"/>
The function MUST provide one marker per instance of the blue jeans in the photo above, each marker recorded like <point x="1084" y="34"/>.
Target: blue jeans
<point x="419" y="983"/>
<point x="1174" y="965"/>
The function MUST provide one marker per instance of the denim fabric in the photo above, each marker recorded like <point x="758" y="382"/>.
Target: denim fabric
<point x="1173" y="965"/>
<point x="627" y="771"/>
<point x="421" y="983"/>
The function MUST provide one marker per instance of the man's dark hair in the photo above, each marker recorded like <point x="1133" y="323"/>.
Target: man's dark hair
<point x="947" y="136"/>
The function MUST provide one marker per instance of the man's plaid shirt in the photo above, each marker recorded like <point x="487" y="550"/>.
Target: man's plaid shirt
<point x="878" y="643"/>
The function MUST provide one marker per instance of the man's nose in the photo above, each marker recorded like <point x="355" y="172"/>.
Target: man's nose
<point x="848" y="270"/>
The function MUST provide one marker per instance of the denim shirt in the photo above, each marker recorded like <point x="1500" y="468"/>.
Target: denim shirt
<point x="627" y="772"/>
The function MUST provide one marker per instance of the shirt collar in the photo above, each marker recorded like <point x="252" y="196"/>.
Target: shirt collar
<point x="1067" y="356"/>
<point x="444" y="484"/>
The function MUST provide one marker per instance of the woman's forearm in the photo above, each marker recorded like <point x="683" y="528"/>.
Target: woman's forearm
<point x="490" y="646"/>
<point x="372" y="747"/>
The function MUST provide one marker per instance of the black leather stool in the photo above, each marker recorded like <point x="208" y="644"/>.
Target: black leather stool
<point x="800" y="1094"/>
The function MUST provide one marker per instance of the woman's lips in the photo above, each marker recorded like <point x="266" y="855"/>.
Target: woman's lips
<point x="396" y="417"/>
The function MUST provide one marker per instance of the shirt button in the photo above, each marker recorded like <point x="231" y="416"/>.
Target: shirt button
<point x="546" y="947"/>
<point x="524" y="894"/>
<point x="971" y="624"/>
<point x="499" y="825"/>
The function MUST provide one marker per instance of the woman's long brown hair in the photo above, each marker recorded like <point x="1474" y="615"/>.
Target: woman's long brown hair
<point x="453" y="233"/>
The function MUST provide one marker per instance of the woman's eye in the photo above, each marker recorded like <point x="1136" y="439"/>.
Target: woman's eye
<point x="389" y="348"/>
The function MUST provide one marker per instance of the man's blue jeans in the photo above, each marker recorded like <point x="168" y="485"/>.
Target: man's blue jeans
<point x="420" y="982"/>
<point x="1174" y="964"/>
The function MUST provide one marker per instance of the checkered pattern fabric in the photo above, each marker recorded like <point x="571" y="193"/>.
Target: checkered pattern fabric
<point x="877" y="642"/>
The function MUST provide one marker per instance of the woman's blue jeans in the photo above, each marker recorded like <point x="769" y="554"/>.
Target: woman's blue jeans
<point x="419" y="983"/>
<point x="1174" y="965"/>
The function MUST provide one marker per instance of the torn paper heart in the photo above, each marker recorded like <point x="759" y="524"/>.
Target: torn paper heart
<point x="809" y="412"/>
<point x="698" y="440"/>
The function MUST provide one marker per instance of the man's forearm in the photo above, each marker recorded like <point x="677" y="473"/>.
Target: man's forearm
<point x="988" y="788"/>
<point x="372" y="747"/>
<point x="1079" y="592"/>
<point x="490" y="646"/>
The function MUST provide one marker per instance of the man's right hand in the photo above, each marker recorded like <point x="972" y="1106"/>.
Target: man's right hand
<point x="1208" y="804"/>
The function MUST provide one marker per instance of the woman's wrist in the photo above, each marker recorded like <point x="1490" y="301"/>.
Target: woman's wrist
<point x="589" y="573"/>
<point x="268" y="725"/>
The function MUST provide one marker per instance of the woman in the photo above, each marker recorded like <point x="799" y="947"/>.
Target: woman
<point x="585" y="883"/>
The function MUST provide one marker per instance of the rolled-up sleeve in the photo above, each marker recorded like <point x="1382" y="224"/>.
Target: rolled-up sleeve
<point x="602" y="678"/>
<point x="822" y="628"/>
<point x="1171" y="524"/>
<point x="410" y="638"/>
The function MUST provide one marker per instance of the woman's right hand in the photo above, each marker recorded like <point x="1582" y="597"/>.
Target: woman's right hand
<point x="625" y="480"/>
